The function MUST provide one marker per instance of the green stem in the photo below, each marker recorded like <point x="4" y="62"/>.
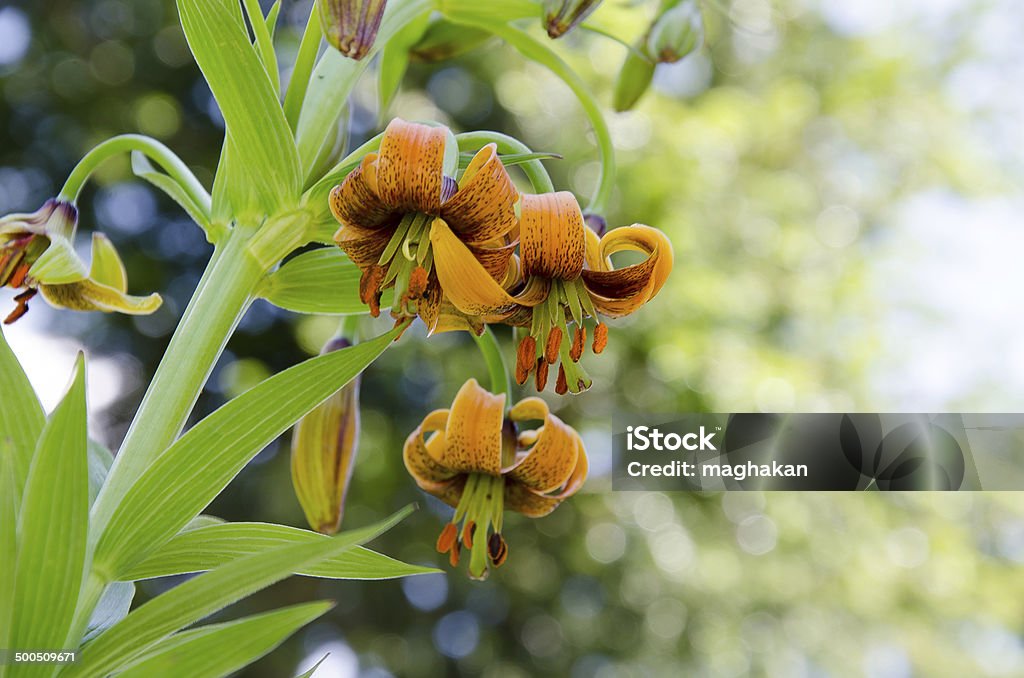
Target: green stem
<point x="533" y="169"/>
<point x="537" y="51"/>
<point x="149" y="147"/>
<point x="220" y="301"/>
<point x="491" y="350"/>
<point x="305" y="60"/>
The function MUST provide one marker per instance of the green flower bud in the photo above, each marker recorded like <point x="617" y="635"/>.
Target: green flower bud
<point x="446" y="40"/>
<point x="561" y="16"/>
<point x="677" y="32"/>
<point x="634" y="78"/>
<point x="351" y="26"/>
<point x="324" y="446"/>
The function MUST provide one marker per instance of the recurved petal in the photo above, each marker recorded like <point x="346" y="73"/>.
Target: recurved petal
<point x="521" y="499"/>
<point x="552" y="238"/>
<point x="89" y="295"/>
<point x="410" y="168"/>
<point x="619" y="292"/>
<point x="529" y="408"/>
<point x="484" y="206"/>
<point x="107" y="267"/>
<point x="362" y="246"/>
<point x="551" y="461"/>
<point x="356" y="203"/>
<point x="421" y="464"/>
<point x="463" y="278"/>
<point x="495" y="259"/>
<point x="474" y="430"/>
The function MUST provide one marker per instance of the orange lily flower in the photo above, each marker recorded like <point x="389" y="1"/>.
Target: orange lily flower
<point x="387" y="205"/>
<point x="475" y="461"/>
<point x="568" y="276"/>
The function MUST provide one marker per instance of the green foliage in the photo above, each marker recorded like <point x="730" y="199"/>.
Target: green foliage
<point x="220" y="649"/>
<point x="186" y="477"/>
<point x="320" y="281"/>
<point x="205" y="548"/>
<point x="52" y="526"/>
<point x="21" y="417"/>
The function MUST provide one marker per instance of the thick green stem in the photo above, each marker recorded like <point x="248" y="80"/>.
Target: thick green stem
<point x="149" y="147"/>
<point x="491" y="350"/>
<point x="221" y="299"/>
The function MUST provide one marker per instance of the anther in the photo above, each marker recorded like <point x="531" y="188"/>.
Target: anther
<point x="467" y="534"/>
<point x="554" y="342"/>
<point x="600" y="337"/>
<point x="561" y="385"/>
<point x="447" y="538"/>
<point x="524" y="358"/>
<point x="497" y="549"/>
<point x="369" y="288"/>
<point x="579" y="340"/>
<point x="542" y="374"/>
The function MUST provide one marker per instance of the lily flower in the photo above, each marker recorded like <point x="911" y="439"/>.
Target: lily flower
<point x="568" y="276"/>
<point x="36" y="255"/>
<point x="388" y="204"/>
<point x="475" y="461"/>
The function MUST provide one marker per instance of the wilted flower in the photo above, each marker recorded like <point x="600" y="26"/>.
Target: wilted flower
<point x="351" y="26"/>
<point x="36" y="255"/>
<point x="677" y="32"/>
<point x="324" y="447"/>
<point x="567" y="276"/>
<point x="475" y="460"/>
<point x="561" y="16"/>
<point x="388" y="204"/>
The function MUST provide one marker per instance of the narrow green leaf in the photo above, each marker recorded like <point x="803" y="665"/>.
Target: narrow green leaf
<point x="510" y="159"/>
<point x="202" y="520"/>
<point x="334" y="78"/>
<point x="264" y="161"/>
<point x="99" y="462"/>
<point x="305" y="60"/>
<point x="209" y="547"/>
<point x="112" y="608"/>
<point x="190" y="473"/>
<point x="8" y="543"/>
<point x="201" y="596"/>
<point x="272" y="16"/>
<point x="144" y="169"/>
<point x="312" y="670"/>
<point x="218" y="650"/>
<point x="21" y="417"/>
<point x="264" y="43"/>
<point x="52" y="529"/>
<point x="321" y="281"/>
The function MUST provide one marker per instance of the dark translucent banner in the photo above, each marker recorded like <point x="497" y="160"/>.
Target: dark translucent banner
<point x="705" y="452"/>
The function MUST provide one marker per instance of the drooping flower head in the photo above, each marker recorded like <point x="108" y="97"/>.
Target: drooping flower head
<point x="36" y="255"/>
<point x="476" y="460"/>
<point x="561" y="16"/>
<point x="567" y="277"/>
<point x="387" y="205"/>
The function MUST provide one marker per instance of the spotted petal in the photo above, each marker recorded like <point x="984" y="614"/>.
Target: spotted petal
<point x="550" y="463"/>
<point x="619" y="292"/>
<point x="552" y="238"/>
<point x="467" y="283"/>
<point x="410" y="169"/>
<point x="420" y="455"/>
<point x="484" y="206"/>
<point x="474" y="430"/>
<point x="356" y="202"/>
<point x="520" y="499"/>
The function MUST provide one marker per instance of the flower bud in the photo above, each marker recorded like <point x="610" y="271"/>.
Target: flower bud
<point x="677" y="32"/>
<point x="561" y="16"/>
<point x="634" y="79"/>
<point x="351" y="26"/>
<point x="324" y="446"/>
<point x="444" y="40"/>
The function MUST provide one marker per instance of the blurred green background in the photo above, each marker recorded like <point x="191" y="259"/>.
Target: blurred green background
<point x="842" y="185"/>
